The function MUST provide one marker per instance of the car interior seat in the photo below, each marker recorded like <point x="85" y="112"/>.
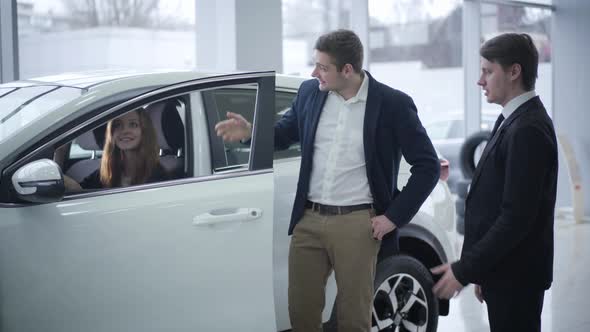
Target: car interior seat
<point x="92" y="140"/>
<point x="167" y="121"/>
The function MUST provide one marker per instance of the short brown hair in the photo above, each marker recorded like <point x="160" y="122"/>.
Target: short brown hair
<point x="344" y="46"/>
<point x="510" y="48"/>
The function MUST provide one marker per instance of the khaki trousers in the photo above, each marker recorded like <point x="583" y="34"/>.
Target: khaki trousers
<point x="320" y="244"/>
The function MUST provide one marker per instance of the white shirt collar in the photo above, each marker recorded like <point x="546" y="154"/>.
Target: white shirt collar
<point x="515" y="103"/>
<point x="361" y="94"/>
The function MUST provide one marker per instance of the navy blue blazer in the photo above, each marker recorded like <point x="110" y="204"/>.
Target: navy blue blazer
<point x="391" y="129"/>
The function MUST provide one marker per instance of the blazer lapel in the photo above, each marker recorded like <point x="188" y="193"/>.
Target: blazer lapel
<point x="486" y="153"/>
<point x="494" y="140"/>
<point x="372" y="110"/>
<point x="316" y="111"/>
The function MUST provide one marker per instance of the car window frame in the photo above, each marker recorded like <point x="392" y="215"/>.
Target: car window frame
<point x="260" y="139"/>
<point x="277" y="156"/>
<point x="293" y="152"/>
<point x="71" y="130"/>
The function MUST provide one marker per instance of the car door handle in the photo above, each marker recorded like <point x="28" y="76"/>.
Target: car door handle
<point x="219" y="216"/>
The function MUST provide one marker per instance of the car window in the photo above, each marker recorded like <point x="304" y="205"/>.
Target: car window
<point x="186" y="142"/>
<point x="78" y="152"/>
<point x="283" y="101"/>
<point x="154" y="134"/>
<point x="242" y="100"/>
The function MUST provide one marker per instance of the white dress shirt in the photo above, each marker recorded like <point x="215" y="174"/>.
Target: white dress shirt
<point x="339" y="175"/>
<point x="515" y="103"/>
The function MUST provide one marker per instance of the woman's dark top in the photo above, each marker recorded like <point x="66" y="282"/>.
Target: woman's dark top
<point x="92" y="181"/>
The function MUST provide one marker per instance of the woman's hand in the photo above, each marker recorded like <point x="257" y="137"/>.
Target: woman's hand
<point x="71" y="184"/>
<point x="59" y="156"/>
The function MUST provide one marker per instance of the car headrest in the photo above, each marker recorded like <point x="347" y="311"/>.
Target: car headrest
<point x="100" y="134"/>
<point x="88" y="141"/>
<point x="168" y="124"/>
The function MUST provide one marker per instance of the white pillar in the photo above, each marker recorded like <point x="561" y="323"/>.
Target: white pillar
<point x="8" y="41"/>
<point x="359" y="23"/>
<point x="569" y="54"/>
<point x="239" y="35"/>
<point x="471" y="66"/>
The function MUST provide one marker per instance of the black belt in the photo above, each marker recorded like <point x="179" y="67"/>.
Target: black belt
<point x="336" y="210"/>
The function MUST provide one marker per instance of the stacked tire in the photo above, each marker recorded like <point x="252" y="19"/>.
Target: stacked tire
<point x="462" y="190"/>
<point x="468" y="165"/>
<point x="468" y="150"/>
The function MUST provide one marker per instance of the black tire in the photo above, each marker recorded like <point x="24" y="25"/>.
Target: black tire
<point x="405" y="273"/>
<point x="390" y="269"/>
<point x="467" y="154"/>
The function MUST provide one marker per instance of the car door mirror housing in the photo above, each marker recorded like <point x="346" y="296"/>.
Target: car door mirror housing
<point x="40" y="181"/>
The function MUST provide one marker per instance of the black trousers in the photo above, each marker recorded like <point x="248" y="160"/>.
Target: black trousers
<point x="514" y="310"/>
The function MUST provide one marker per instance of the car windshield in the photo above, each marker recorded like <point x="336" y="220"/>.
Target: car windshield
<point x="20" y="106"/>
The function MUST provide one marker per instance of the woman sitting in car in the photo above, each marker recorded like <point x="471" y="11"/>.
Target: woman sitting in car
<point x="130" y="155"/>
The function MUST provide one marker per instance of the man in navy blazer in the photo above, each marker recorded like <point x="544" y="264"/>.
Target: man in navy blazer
<point x="509" y="211"/>
<point x="353" y="132"/>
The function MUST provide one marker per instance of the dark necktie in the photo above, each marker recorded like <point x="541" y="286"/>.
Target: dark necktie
<point x="497" y="125"/>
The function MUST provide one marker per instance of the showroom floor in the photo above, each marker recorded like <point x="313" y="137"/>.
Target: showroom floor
<point x="566" y="303"/>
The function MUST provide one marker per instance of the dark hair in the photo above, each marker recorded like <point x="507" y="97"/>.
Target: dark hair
<point x="344" y="46"/>
<point x="510" y="48"/>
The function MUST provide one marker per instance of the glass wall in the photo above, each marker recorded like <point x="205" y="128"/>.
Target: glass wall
<point x="57" y="36"/>
<point x="415" y="46"/>
<point x="303" y="23"/>
<point x="536" y="22"/>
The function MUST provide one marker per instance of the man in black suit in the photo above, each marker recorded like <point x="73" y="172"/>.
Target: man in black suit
<point x="508" y="247"/>
<point x="353" y="131"/>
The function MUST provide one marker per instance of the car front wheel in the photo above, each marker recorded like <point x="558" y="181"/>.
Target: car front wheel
<point x="403" y="299"/>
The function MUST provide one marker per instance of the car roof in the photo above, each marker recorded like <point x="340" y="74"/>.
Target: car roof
<point x="98" y="79"/>
<point x="82" y="80"/>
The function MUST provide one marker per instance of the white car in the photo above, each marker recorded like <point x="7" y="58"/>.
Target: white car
<point x="205" y="251"/>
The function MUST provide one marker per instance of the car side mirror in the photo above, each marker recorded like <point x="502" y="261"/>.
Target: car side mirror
<point x="39" y="181"/>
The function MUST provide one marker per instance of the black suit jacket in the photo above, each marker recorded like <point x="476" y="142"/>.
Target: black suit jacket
<point x="509" y="210"/>
<point x="391" y="129"/>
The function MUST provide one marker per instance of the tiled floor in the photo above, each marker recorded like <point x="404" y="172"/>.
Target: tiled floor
<point x="567" y="303"/>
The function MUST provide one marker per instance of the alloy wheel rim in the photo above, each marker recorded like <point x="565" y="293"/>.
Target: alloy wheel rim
<point x="400" y="302"/>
